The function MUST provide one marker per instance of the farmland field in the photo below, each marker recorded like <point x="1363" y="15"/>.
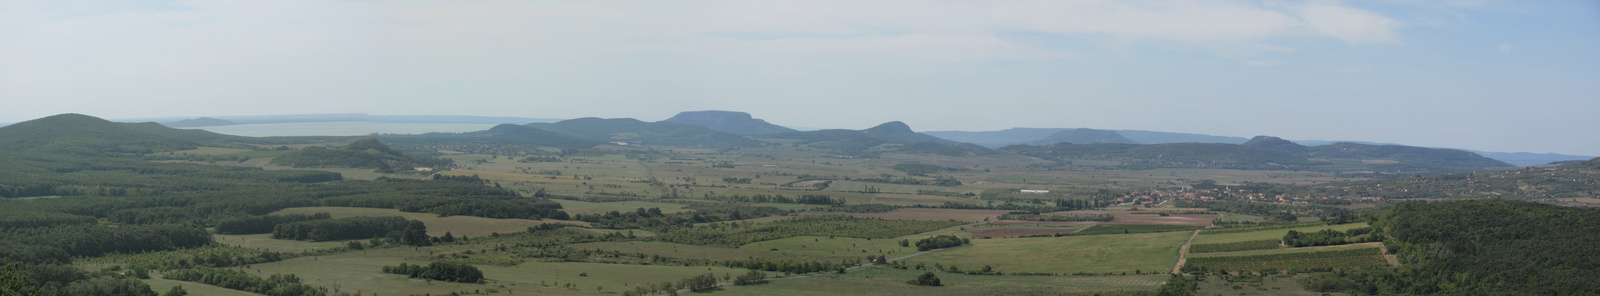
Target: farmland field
<point x="1146" y="252"/>
<point x="1300" y="260"/>
<point x="1266" y="234"/>
<point x="927" y="214"/>
<point x="887" y="281"/>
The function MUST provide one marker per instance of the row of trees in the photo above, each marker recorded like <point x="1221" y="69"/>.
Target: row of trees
<point x="275" y="285"/>
<point x="444" y="271"/>
<point x="402" y="230"/>
<point x="940" y="242"/>
<point x="263" y="224"/>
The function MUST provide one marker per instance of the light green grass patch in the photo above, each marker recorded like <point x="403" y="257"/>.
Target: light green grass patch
<point x="1146" y="252"/>
<point x="1283" y="251"/>
<point x="1267" y="234"/>
<point x="266" y="242"/>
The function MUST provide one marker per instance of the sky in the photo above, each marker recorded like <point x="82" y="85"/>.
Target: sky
<point x="1508" y="76"/>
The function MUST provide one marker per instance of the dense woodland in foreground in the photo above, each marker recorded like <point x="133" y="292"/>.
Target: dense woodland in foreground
<point x="78" y="189"/>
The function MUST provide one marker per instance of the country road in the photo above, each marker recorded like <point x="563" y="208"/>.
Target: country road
<point x="1183" y="252"/>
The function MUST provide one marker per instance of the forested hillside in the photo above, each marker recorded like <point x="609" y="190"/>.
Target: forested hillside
<point x="75" y="186"/>
<point x="1487" y="247"/>
<point x="366" y="154"/>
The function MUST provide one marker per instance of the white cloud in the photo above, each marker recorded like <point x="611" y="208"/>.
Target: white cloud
<point x="1506" y="48"/>
<point x="1349" y="24"/>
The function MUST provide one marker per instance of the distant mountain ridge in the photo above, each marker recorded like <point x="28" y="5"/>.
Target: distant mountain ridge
<point x="862" y="142"/>
<point x="341" y="117"/>
<point x="1037" y="137"/>
<point x="1269" y="153"/>
<point x="1084" y="136"/>
<point x="738" y="123"/>
<point x="633" y="131"/>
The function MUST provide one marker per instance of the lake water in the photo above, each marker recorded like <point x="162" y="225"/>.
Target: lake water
<point x="343" y="128"/>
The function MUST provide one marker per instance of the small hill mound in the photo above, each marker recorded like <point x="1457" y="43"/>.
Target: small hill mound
<point x="633" y="131"/>
<point x="85" y="135"/>
<point x="1275" y="144"/>
<point x="738" y="123"/>
<point x="366" y="154"/>
<point x="893" y="136"/>
<point x="1084" y="136"/>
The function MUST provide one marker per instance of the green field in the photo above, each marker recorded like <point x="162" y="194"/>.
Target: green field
<point x="266" y="242"/>
<point x="1267" y="234"/>
<point x="1283" y="251"/>
<point x="887" y="281"/>
<point x="162" y="286"/>
<point x="1145" y="252"/>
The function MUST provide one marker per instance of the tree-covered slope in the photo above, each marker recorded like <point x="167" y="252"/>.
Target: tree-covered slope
<point x="368" y="154"/>
<point x="1488" y="247"/>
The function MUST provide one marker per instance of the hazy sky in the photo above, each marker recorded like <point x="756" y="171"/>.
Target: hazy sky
<point x="1487" y="75"/>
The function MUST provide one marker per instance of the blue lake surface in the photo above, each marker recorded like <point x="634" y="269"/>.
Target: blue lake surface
<point x="342" y="128"/>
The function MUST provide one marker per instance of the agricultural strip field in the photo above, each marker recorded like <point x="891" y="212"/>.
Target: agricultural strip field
<point x="437" y="226"/>
<point x="362" y="271"/>
<point x="1344" y="258"/>
<point x="1144" y="217"/>
<point x="583" y="207"/>
<point x="1285" y="250"/>
<point x="888" y="281"/>
<point x="1146" y="252"/>
<point x="926" y="214"/>
<point x="794" y="248"/>
<point x="1236" y="246"/>
<point x="1275" y="234"/>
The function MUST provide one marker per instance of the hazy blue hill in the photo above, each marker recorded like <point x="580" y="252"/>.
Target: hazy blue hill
<point x="1083" y="136"/>
<point x="1171" y="155"/>
<point x="899" y="132"/>
<point x="199" y="122"/>
<point x="1275" y="144"/>
<point x="504" y="134"/>
<point x="85" y="135"/>
<point x="1408" y="156"/>
<point x="996" y="139"/>
<point x="1265" y="152"/>
<point x="1024" y="135"/>
<point x="732" y="122"/>
<point x="1526" y="158"/>
<point x="857" y="142"/>
<point x="647" y="133"/>
<point x="1154" y="137"/>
